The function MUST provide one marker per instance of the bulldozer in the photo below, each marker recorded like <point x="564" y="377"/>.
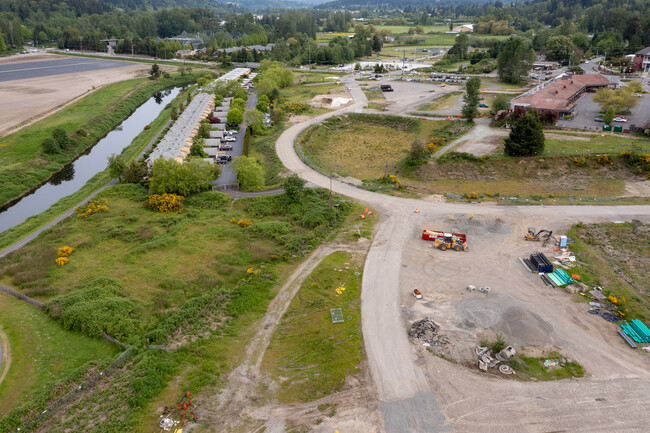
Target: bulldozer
<point x="448" y="241"/>
<point x="532" y="236"/>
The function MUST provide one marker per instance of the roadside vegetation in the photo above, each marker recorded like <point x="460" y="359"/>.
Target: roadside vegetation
<point x="621" y="271"/>
<point x="309" y="356"/>
<point x="192" y="278"/>
<point x="24" y="163"/>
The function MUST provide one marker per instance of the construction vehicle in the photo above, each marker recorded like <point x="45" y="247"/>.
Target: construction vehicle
<point x="449" y="241"/>
<point x="432" y="235"/>
<point x="532" y="236"/>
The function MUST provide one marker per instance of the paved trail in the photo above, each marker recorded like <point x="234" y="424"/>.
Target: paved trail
<point x="406" y="400"/>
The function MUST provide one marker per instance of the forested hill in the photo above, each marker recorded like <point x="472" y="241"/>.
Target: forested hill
<point x="390" y="5"/>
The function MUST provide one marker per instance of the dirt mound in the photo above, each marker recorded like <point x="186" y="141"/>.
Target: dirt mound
<point x="335" y="100"/>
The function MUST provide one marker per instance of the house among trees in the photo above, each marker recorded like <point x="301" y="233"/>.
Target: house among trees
<point x="463" y="28"/>
<point x="185" y="39"/>
<point x="557" y="98"/>
<point x="642" y="60"/>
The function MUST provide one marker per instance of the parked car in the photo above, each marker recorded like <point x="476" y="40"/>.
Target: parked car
<point x="226" y="147"/>
<point x="482" y="105"/>
<point x="223" y="159"/>
<point x="598" y="119"/>
<point x="230" y="138"/>
<point x="620" y="119"/>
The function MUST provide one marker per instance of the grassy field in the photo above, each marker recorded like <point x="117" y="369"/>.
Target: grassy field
<point x="311" y="357"/>
<point x="305" y="93"/>
<point x="100" y="179"/>
<point x="501" y="85"/>
<point x="42" y="351"/>
<point x="403" y="30"/>
<point x="445" y="102"/>
<point x="22" y="164"/>
<point x="313" y="77"/>
<point x="621" y="271"/>
<point x="195" y="281"/>
<point x="362" y="145"/>
<point x="559" y="143"/>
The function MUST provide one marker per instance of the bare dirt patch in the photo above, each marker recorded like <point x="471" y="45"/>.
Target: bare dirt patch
<point x="27" y="100"/>
<point x="334" y="100"/>
<point x="640" y="188"/>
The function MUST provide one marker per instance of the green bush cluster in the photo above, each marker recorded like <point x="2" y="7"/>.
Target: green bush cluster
<point x="458" y="156"/>
<point x="101" y="307"/>
<point x="208" y="200"/>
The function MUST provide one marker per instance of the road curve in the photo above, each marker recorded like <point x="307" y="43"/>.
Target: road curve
<point x="406" y="401"/>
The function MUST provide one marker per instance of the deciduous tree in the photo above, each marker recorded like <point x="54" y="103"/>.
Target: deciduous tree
<point x="471" y="98"/>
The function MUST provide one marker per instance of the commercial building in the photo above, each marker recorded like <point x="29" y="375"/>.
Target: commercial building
<point x="642" y="60"/>
<point x="557" y="97"/>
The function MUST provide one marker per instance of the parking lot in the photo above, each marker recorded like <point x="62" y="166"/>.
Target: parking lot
<point x="586" y="110"/>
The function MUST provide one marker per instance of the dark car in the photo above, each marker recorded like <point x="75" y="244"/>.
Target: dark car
<point x="222" y="159"/>
<point x="226" y="147"/>
<point x="598" y="119"/>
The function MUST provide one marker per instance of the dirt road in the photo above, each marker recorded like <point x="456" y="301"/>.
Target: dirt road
<point x="406" y="398"/>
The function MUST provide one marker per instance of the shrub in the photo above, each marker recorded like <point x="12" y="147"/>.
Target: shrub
<point x="62" y="261"/>
<point x="208" y="200"/>
<point x="100" y="307"/>
<point x="271" y="229"/>
<point x="50" y="146"/>
<point x="65" y="251"/>
<point x="165" y="203"/>
<point x="61" y="137"/>
<point x="293" y="187"/>
<point x="92" y="207"/>
<point x="458" y="156"/>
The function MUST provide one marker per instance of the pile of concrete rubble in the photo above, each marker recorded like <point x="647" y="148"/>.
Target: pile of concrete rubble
<point x="428" y="331"/>
<point x="486" y="360"/>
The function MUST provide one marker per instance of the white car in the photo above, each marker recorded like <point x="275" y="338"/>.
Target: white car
<point x="230" y="138"/>
<point x="620" y="119"/>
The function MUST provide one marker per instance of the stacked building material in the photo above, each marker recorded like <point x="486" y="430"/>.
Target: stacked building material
<point x="541" y="263"/>
<point x="637" y="331"/>
<point x="560" y="278"/>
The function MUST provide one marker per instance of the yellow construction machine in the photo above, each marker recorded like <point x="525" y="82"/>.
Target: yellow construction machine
<point x="449" y="241"/>
<point x="532" y="236"/>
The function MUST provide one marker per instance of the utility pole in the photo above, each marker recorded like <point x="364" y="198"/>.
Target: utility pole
<point x="386" y="170"/>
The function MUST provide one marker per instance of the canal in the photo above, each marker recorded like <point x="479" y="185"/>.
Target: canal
<point x="75" y="175"/>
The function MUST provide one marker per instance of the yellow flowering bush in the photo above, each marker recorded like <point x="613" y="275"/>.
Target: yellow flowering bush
<point x="62" y="261"/>
<point x="65" y="251"/>
<point x="92" y="207"/>
<point x="339" y="290"/>
<point x="252" y="271"/>
<point x="471" y="196"/>
<point x="293" y="107"/>
<point x="580" y="162"/>
<point x="165" y="203"/>
<point x="604" y="160"/>
<point x="243" y="223"/>
<point x="435" y="143"/>
<point x="391" y="179"/>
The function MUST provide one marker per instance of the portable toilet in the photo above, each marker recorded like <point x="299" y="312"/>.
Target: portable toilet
<point x="562" y="241"/>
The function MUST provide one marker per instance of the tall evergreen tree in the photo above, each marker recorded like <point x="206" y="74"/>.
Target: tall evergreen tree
<point x="515" y="59"/>
<point x="471" y="98"/>
<point x="526" y="136"/>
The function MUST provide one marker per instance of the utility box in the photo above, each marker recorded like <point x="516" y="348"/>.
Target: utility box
<point x="618" y="128"/>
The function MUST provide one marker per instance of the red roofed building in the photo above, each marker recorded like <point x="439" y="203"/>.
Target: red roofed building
<point x="557" y="98"/>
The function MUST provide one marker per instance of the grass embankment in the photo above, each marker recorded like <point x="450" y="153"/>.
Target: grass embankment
<point x="360" y="145"/>
<point x="621" y="271"/>
<point x="311" y="357"/>
<point x="262" y="148"/>
<point x="100" y="179"/>
<point x="313" y="77"/>
<point x="23" y="165"/>
<point x="561" y="143"/>
<point x="42" y="352"/>
<point x="194" y="281"/>
<point x="304" y="94"/>
<point x="445" y="102"/>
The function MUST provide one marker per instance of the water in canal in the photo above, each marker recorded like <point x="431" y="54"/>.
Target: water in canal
<point x="74" y="176"/>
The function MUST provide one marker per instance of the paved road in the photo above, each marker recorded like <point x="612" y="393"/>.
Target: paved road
<point x="406" y="400"/>
<point x="36" y="69"/>
<point x="228" y="174"/>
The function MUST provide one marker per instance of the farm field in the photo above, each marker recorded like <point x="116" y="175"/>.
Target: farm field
<point x="194" y="281"/>
<point x="309" y="356"/>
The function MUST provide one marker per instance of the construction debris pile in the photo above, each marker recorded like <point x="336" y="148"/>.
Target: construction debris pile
<point x="486" y="360"/>
<point x="426" y="330"/>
